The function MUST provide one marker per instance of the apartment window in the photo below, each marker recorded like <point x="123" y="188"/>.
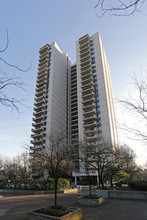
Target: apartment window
<point x="98" y="104"/>
<point x="92" y="50"/>
<point x="94" y="69"/>
<point x="93" y="60"/>
<point x="99" y="131"/>
<point x="99" y="123"/>
<point x="96" y="87"/>
<point x="92" y="54"/>
<point x="91" y="42"/>
<point x="95" y="78"/>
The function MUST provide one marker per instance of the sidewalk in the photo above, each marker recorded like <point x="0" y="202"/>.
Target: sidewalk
<point x="15" y="207"/>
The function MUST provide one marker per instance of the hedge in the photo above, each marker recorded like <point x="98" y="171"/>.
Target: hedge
<point x="139" y="185"/>
<point x="37" y="184"/>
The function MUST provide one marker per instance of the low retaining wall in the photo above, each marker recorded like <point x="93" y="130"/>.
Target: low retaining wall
<point x="31" y="192"/>
<point x="127" y="195"/>
<point x="116" y="194"/>
<point x="101" y="193"/>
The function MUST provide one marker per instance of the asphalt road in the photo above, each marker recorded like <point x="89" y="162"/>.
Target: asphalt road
<point x="15" y="207"/>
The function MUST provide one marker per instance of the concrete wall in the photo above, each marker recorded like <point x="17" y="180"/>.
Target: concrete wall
<point x="127" y="195"/>
<point x="116" y="194"/>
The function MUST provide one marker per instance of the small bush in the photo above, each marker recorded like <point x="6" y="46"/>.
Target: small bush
<point x="50" y="210"/>
<point x="63" y="184"/>
<point x="139" y="185"/>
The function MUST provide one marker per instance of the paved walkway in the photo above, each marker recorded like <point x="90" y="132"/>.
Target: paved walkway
<point x="15" y="207"/>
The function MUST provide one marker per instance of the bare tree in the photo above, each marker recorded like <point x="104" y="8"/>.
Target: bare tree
<point x="54" y="161"/>
<point x="123" y="164"/>
<point x="138" y="108"/>
<point x="7" y="170"/>
<point x="97" y="159"/>
<point x="118" y="8"/>
<point x="106" y="160"/>
<point x="22" y="165"/>
<point x="7" y="82"/>
<point x="16" y="168"/>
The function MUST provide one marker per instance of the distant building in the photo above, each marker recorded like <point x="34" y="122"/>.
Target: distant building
<point x="77" y="98"/>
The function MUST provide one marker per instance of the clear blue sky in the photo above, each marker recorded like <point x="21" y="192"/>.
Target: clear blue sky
<point x="31" y="24"/>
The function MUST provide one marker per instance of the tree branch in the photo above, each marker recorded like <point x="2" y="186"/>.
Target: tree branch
<point x="121" y="8"/>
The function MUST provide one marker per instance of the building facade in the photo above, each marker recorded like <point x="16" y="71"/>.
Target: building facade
<point x="77" y="98"/>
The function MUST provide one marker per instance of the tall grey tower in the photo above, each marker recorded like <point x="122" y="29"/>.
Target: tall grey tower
<point x="78" y="98"/>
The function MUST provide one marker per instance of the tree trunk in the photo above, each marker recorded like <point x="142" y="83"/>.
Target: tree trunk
<point x="102" y="182"/>
<point x="111" y="182"/>
<point x="90" y="189"/>
<point x="56" y="185"/>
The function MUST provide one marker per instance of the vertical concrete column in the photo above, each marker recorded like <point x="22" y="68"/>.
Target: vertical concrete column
<point x="75" y="180"/>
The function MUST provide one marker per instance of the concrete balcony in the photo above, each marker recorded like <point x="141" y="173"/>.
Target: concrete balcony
<point x="88" y="96"/>
<point x="41" y="72"/>
<point x="85" y="66"/>
<point x="91" y="131"/>
<point x="40" y="103"/>
<point x="85" y="71"/>
<point x="40" y="88"/>
<point x="37" y="124"/>
<point x="41" y="79"/>
<point x="87" y="80"/>
<point x="90" y="119"/>
<point x="40" y="135"/>
<point x="84" y="54"/>
<point x="87" y="91"/>
<point x="85" y="57"/>
<point x="74" y="126"/>
<point x="40" y="93"/>
<point x="88" y="102"/>
<point x="74" y="121"/>
<point x="74" y="84"/>
<point x="74" y="80"/>
<point x="44" y="49"/>
<point x="44" y="57"/>
<point x="86" y="75"/>
<point x="40" y="99"/>
<point x="89" y="85"/>
<point x="37" y="129"/>
<point x="85" y="63"/>
<point x="75" y="113"/>
<point x="91" y="138"/>
<point x="39" y="108"/>
<point x="38" y="118"/>
<point x="39" y="141"/>
<point x="83" y="39"/>
<point x="75" y="118"/>
<point x="41" y="68"/>
<point x="90" y="125"/>
<point x="38" y="114"/>
<point x="43" y="61"/>
<point x="91" y="113"/>
<point x="83" y="43"/>
<point x="73" y="97"/>
<point x="75" y="129"/>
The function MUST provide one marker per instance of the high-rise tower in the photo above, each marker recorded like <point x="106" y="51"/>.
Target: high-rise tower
<point x="96" y="115"/>
<point x="77" y="98"/>
<point x="52" y="99"/>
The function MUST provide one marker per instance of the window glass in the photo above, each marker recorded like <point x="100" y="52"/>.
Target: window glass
<point x="93" y="60"/>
